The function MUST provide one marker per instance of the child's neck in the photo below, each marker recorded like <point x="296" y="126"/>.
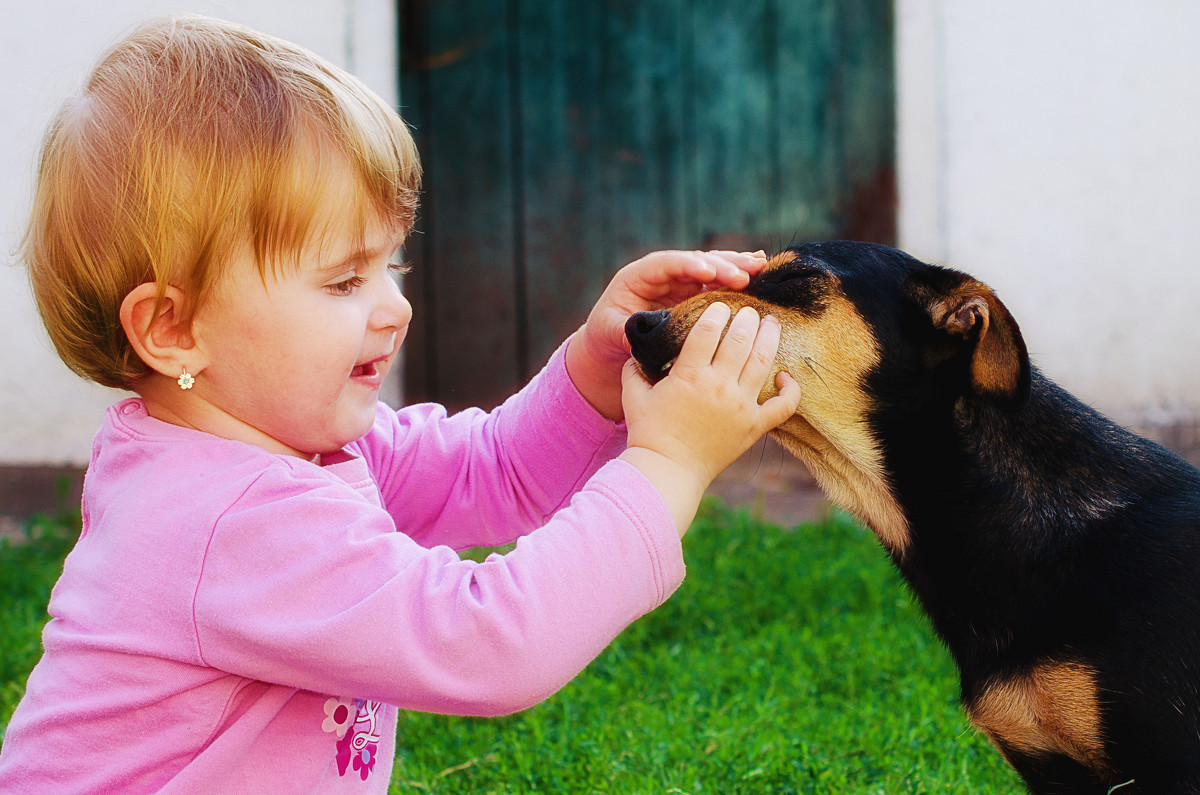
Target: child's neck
<point x="166" y="402"/>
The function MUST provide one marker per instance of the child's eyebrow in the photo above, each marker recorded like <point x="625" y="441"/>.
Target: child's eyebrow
<point x="348" y="263"/>
<point x="358" y="256"/>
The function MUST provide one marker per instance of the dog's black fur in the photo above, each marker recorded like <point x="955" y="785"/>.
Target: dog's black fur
<point x="1056" y="553"/>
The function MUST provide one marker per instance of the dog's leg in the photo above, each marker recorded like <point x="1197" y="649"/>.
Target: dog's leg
<point x="1056" y="774"/>
<point x="1167" y="782"/>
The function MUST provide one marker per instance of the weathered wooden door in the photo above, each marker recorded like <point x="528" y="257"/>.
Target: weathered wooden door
<point x="562" y="139"/>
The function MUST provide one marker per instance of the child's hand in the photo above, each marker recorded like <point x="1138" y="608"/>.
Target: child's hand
<point x="656" y="281"/>
<point x="688" y="427"/>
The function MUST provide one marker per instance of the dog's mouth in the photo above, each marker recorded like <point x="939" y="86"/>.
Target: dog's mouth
<point x="651" y="370"/>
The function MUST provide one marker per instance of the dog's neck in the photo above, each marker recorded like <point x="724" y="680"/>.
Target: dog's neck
<point x="1044" y="474"/>
<point x="999" y="504"/>
<point x="1035" y="477"/>
<point x="849" y="470"/>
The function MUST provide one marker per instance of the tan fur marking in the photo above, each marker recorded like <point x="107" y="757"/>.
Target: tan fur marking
<point x="996" y="365"/>
<point x="828" y="354"/>
<point x="782" y="258"/>
<point x="1053" y="709"/>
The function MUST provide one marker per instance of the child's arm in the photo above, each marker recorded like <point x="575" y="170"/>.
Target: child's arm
<point x="304" y="583"/>
<point x="486" y="479"/>
<point x="695" y="422"/>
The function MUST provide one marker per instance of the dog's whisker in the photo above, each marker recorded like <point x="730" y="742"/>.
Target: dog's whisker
<point x="813" y="367"/>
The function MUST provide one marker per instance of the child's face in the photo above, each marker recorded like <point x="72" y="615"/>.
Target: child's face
<point x="297" y="359"/>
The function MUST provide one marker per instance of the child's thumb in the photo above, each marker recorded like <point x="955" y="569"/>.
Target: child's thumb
<point x="778" y="409"/>
<point x="632" y="378"/>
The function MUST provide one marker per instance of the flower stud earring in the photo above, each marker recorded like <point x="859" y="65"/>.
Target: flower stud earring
<point x="186" y="381"/>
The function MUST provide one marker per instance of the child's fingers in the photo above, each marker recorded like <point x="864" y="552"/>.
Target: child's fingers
<point x="754" y="262"/>
<point x="776" y="410"/>
<point x="748" y="258"/>
<point x="690" y="266"/>
<point x="632" y="381"/>
<point x="761" y="357"/>
<point x="700" y="267"/>
<point x="738" y="343"/>
<point x="702" y="341"/>
<point x="733" y="269"/>
<point x="664" y="278"/>
<point x="725" y="268"/>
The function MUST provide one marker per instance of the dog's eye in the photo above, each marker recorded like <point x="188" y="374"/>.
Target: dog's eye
<point x="786" y="275"/>
<point x="795" y="285"/>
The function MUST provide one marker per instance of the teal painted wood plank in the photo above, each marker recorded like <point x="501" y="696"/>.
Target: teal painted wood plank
<point x="602" y="163"/>
<point x="562" y="139"/>
<point x="868" y="130"/>
<point x="645" y="110"/>
<point x="734" y="72"/>
<point x="464" y="283"/>
<point x="792" y="134"/>
<point x="866" y="56"/>
<point x="808" y="111"/>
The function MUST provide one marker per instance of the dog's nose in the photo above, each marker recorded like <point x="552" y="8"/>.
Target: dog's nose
<point x="641" y="327"/>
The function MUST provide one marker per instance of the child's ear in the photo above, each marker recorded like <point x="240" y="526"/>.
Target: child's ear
<point x="159" y="331"/>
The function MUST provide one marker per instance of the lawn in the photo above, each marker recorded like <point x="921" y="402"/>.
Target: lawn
<point x="791" y="660"/>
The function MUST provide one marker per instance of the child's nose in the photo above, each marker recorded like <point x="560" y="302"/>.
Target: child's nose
<point x="393" y="309"/>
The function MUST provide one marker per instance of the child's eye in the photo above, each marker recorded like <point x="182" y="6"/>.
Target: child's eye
<point x="347" y="286"/>
<point x="403" y="268"/>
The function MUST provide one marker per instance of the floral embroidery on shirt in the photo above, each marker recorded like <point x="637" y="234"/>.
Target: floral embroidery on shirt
<point x="339" y="714"/>
<point x="356" y="724"/>
<point x="364" y="761"/>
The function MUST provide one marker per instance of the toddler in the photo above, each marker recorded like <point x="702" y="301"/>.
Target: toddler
<point x="267" y="569"/>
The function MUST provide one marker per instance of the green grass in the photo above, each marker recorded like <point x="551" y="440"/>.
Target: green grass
<point x="790" y="661"/>
<point x="28" y="570"/>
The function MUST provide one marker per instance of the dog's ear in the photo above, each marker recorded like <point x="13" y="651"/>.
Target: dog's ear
<point x="999" y="366"/>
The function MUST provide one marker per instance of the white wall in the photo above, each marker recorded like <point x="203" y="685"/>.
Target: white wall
<point x="47" y="414"/>
<point x="1052" y="149"/>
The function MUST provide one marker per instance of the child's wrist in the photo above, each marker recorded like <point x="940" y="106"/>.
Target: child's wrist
<point x="597" y="380"/>
<point x="680" y="486"/>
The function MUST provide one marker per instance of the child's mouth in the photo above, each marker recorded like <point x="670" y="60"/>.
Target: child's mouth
<point x="368" y="370"/>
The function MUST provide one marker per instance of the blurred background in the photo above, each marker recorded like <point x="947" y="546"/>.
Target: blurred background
<point x="1048" y="148"/>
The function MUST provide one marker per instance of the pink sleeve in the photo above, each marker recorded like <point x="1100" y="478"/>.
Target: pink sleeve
<point x="484" y="479"/>
<point x="337" y="602"/>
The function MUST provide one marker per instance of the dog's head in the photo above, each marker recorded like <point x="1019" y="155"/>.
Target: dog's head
<point x="875" y="338"/>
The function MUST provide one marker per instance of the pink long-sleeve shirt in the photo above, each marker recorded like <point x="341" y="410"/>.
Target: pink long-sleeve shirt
<point x="237" y="621"/>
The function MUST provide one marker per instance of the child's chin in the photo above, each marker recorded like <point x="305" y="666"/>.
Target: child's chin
<point x="359" y="429"/>
<point x="344" y="434"/>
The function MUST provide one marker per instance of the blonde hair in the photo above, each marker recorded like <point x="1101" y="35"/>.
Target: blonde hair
<point x="192" y="138"/>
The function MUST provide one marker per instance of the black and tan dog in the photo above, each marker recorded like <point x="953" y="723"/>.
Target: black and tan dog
<point x="1057" y="554"/>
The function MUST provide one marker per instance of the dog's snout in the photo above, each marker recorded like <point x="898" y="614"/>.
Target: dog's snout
<point x="649" y="343"/>
<point x="641" y="326"/>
